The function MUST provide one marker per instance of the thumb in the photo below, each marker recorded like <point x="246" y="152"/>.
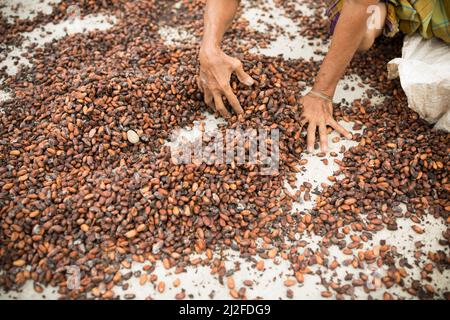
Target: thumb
<point x="243" y="76"/>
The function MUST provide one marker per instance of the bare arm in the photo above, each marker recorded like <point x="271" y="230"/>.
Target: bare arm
<point x="215" y="66"/>
<point x="218" y="17"/>
<point x="349" y="33"/>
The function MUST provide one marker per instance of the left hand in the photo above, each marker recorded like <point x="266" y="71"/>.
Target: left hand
<point x="319" y="114"/>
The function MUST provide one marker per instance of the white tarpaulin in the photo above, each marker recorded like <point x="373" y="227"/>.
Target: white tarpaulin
<point x="424" y="71"/>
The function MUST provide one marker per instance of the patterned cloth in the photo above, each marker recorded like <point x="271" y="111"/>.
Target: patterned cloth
<point x="428" y="17"/>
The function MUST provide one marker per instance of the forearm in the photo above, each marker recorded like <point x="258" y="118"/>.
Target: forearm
<point x="218" y="16"/>
<point x="348" y="35"/>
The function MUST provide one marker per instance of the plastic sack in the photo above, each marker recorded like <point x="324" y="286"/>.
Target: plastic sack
<point x="424" y="72"/>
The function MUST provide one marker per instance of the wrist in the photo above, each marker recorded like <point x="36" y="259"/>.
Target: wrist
<point x="321" y="95"/>
<point x="208" y="50"/>
<point x="327" y="90"/>
<point x="325" y="85"/>
<point x="210" y="43"/>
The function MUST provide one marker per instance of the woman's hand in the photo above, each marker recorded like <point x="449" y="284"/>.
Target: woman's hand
<point x="318" y="113"/>
<point x="214" y="79"/>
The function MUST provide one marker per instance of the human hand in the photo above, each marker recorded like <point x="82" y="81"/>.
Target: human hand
<point x="214" y="80"/>
<point x="318" y="113"/>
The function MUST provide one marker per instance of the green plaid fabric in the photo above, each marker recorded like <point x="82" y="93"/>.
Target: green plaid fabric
<point x="428" y="17"/>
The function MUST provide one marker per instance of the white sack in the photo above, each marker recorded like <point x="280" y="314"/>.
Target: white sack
<point x="424" y="72"/>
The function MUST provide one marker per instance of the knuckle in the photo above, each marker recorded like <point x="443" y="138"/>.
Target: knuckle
<point x="227" y="90"/>
<point x="224" y="87"/>
<point x="214" y="89"/>
<point x="237" y="64"/>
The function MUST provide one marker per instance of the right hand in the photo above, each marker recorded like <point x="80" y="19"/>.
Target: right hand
<point x="318" y="113"/>
<point x="214" y="80"/>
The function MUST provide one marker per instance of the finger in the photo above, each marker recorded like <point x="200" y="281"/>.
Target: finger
<point x="243" y="76"/>
<point x="302" y="124"/>
<point x="323" y="137"/>
<point x="208" y="97"/>
<point x="330" y="108"/>
<point x="336" y="126"/>
<point x="311" y="132"/>
<point x="199" y="84"/>
<point x="233" y="100"/>
<point x="220" y="107"/>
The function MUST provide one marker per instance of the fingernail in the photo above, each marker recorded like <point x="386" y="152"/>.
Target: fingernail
<point x="250" y="81"/>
